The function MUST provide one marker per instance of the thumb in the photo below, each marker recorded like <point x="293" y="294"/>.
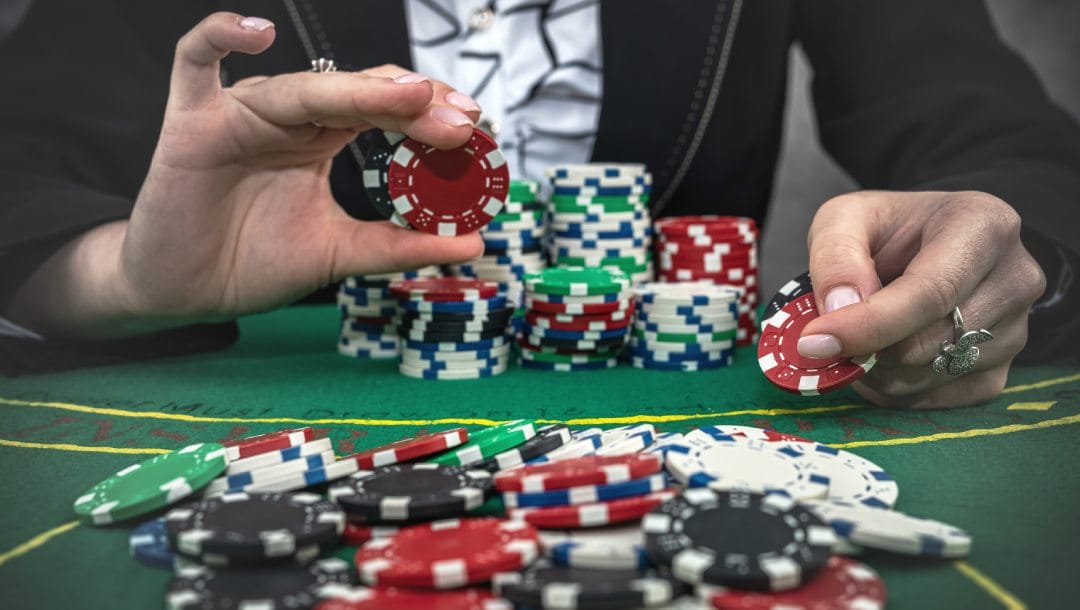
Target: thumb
<point x="196" y="73"/>
<point x="842" y="267"/>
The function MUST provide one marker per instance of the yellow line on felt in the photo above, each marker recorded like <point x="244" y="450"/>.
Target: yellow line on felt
<point x="66" y="406"/>
<point x="976" y="432"/>
<point x="37" y="541"/>
<point x="479" y="421"/>
<point x="987" y="584"/>
<point x="1038" y="385"/>
<point x="89" y="449"/>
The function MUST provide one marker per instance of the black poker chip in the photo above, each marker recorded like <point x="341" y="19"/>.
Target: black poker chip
<point x="411" y="492"/>
<point x="586" y="589"/>
<point x="738" y="539"/>
<point x="254" y="528"/>
<point x="493" y="316"/>
<point x="379" y="148"/>
<point x="458" y="336"/>
<point x="198" y="587"/>
<point x="572" y="345"/>
<point x="788" y="292"/>
<point x="547" y="439"/>
<point x="529" y="249"/>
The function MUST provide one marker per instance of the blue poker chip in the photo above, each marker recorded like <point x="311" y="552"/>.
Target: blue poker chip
<point x="562" y="252"/>
<point x="238" y="481"/>
<point x="610" y="170"/>
<point x="669" y="357"/>
<point x="479" y="355"/>
<point x="601" y="244"/>
<point x="586" y="494"/>
<point x="379" y="343"/>
<point x="562" y="298"/>
<point x="625" y="180"/>
<point x="477" y="306"/>
<point x="575" y="335"/>
<point x="603" y="191"/>
<point x="685" y="310"/>
<point x="149" y="545"/>
<point x="698" y="327"/>
<point x="498" y="243"/>
<point x="451" y="374"/>
<point x="686" y="366"/>
<point x="451" y="346"/>
<point x="623" y="232"/>
<point x="442" y="365"/>
<point x="567" y="367"/>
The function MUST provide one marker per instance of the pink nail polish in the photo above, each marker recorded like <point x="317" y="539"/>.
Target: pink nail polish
<point x="841" y="296"/>
<point x="462" y="101"/>
<point x="819" y="346"/>
<point x="256" y="24"/>
<point x="450" y="116"/>
<point x="410" y="78"/>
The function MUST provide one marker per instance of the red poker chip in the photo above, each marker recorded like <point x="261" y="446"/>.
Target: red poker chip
<point x="575" y="308"/>
<point x="263" y="443"/>
<point x="844" y="584"/>
<point x="389" y="598"/>
<point x="578" y="516"/>
<point x="409" y="449"/>
<point x="787" y="369"/>
<point x="704" y="225"/>
<point x="448" y="192"/>
<point x="444" y="289"/>
<point x="359" y="533"/>
<point x="586" y="470"/>
<point x="448" y="554"/>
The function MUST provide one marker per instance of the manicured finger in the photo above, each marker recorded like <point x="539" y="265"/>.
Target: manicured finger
<point x="196" y="73"/>
<point x="957" y="251"/>
<point x="377" y="247"/>
<point x="348" y="100"/>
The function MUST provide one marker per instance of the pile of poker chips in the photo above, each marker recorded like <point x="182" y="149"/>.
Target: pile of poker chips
<point x="368" y="329"/>
<point x="576" y="318"/>
<point x="452" y="328"/>
<point x="719" y="249"/>
<point x="745" y="518"/>
<point x="512" y="243"/>
<point x="785" y="316"/>
<point x="598" y="216"/>
<point x="684" y="326"/>
<point x="444" y="192"/>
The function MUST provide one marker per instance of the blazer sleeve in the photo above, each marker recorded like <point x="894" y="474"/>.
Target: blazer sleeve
<point x="924" y="95"/>
<point x="85" y="85"/>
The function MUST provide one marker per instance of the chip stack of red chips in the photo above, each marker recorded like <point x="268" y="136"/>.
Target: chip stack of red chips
<point x="719" y="249"/>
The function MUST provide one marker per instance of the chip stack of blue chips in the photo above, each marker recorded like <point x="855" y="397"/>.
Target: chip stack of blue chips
<point x="684" y="326"/>
<point x="367" y="313"/>
<point x="599" y="217"/>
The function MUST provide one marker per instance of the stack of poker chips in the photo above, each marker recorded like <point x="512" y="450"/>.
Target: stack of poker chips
<point x="718" y="249"/>
<point x="598" y="216"/>
<point x="367" y="313"/>
<point x="684" y="326"/>
<point x="512" y="243"/>
<point x="452" y="328"/>
<point x="576" y="318"/>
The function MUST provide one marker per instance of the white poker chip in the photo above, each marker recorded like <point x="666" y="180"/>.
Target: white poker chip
<point x="606" y="548"/>
<point x="893" y="531"/>
<point x="749" y="465"/>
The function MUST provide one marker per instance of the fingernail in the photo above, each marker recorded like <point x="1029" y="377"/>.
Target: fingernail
<point x="841" y="296"/>
<point x="819" y="346"/>
<point x="462" y="101"/>
<point x="450" y="116"/>
<point x="256" y="24"/>
<point x="410" y="77"/>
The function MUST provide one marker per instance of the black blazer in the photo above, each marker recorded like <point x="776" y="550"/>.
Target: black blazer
<point x="910" y="95"/>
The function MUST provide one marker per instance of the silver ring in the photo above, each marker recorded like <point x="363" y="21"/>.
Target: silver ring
<point x="323" y="64"/>
<point x="960" y="357"/>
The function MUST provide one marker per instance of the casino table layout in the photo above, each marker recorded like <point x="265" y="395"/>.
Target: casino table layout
<point x="1005" y="471"/>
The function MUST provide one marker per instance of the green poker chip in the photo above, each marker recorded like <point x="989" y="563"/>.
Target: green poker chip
<point x="489" y="442"/>
<point x="151" y="485"/>
<point x="577" y="281"/>
<point x="664" y="337"/>
<point x="523" y="190"/>
<point x="561" y="207"/>
<point x="531" y="215"/>
<point x="601" y="200"/>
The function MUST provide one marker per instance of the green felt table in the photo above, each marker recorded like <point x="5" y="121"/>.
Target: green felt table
<point x="1005" y="471"/>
